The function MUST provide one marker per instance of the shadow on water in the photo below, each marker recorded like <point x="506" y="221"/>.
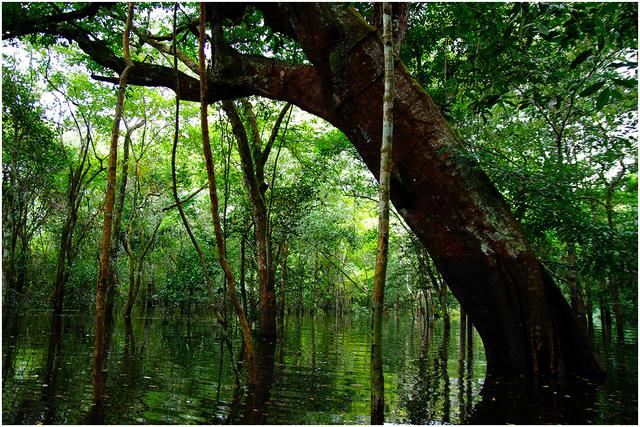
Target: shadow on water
<point x="162" y="371"/>
<point x="521" y="401"/>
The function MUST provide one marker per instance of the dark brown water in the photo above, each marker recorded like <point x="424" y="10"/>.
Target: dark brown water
<point x="175" y="372"/>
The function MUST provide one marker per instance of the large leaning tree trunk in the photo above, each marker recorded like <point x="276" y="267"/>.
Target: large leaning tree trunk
<point x="526" y="324"/>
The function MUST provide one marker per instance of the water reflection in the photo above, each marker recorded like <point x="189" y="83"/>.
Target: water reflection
<point x="164" y="371"/>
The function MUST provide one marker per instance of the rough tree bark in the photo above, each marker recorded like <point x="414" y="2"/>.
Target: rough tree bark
<point x="526" y="324"/>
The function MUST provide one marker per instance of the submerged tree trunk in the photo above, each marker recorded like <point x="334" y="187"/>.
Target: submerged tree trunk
<point x="377" y="296"/>
<point x="105" y="254"/>
<point x="213" y="196"/>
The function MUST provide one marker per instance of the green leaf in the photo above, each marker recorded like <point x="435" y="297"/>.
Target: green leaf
<point x="615" y="94"/>
<point x="629" y="83"/>
<point x="592" y="89"/>
<point x="543" y="30"/>
<point x="603" y="99"/>
<point x="581" y="58"/>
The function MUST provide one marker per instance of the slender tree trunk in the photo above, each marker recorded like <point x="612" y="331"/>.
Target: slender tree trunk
<point x="463" y="326"/>
<point x="266" y="278"/>
<point x="617" y="310"/>
<point x="105" y="254"/>
<point x="377" y="298"/>
<point x="132" y="273"/>
<point x="283" y="278"/>
<point x="605" y="314"/>
<point x="110" y="285"/>
<point x="174" y="189"/>
<point x="589" y="308"/>
<point x="577" y="303"/>
<point x="61" y="269"/>
<point x="444" y="304"/>
<point x="150" y="289"/>
<point x="23" y="260"/>
<point x="243" y="290"/>
<point x="446" y="382"/>
<point x="213" y="196"/>
<point x="252" y="295"/>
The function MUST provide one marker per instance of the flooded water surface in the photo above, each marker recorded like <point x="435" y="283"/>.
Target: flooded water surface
<point x="177" y="372"/>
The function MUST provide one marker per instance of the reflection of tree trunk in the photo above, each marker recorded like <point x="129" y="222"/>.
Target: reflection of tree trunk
<point x="10" y="331"/>
<point x="519" y="401"/>
<point x="469" y="365"/>
<point x="258" y="394"/>
<point x="463" y="330"/>
<point x="444" y="362"/>
<point x="461" y="361"/>
<point x="51" y="366"/>
<point x="96" y="416"/>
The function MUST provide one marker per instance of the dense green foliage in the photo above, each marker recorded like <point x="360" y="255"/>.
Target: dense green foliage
<point x="544" y="96"/>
